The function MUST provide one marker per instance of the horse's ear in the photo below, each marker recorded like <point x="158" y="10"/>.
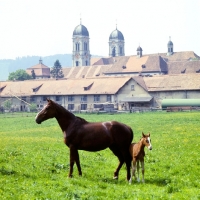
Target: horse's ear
<point x="149" y="134"/>
<point x="48" y="100"/>
<point x="143" y="135"/>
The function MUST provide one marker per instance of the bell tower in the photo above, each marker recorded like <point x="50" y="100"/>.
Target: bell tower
<point x="170" y="47"/>
<point x="116" y="43"/>
<point x="81" y="51"/>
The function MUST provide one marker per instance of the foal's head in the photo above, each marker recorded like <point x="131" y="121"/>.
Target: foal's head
<point x="146" y="140"/>
<point x="49" y="111"/>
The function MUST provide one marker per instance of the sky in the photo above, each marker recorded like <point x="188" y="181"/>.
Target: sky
<point x="45" y="27"/>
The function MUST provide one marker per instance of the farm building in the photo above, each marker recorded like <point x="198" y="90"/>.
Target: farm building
<point x="74" y="94"/>
<point x="87" y="94"/>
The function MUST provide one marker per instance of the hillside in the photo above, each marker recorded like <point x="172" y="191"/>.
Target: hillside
<point x="10" y="65"/>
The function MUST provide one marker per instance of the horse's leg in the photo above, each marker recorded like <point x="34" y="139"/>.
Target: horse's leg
<point x="116" y="173"/>
<point x="142" y="165"/>
<point x="74" y="157"/>
<point x="78" y="163"/>
<point x="117" y="153"/>
<point x="133" y="167"/>
<point x="138" y="170"/>
<point x="127" y="158"/>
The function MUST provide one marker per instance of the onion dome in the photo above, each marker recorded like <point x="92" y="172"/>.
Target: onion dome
<point x="81" y="30"/>
<point x="139" y="49"/>
<point x="116" y="34"/>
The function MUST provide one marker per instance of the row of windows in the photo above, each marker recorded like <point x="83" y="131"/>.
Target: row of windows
<point x="71" y="107"/>
<point x="77" y="63"/>
<point x="71" y="98"/>
<point x="114" y="51"/>
<point x="85" y="46"/>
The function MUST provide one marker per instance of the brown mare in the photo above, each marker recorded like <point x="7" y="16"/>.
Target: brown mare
<point x="82" y="135"/>
<point x="137" y="153"/>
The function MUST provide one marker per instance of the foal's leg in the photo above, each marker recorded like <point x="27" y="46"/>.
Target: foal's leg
<point x="138" y="170"/>
<point x="142" y="165"/>
<point x="74" y="157"/>
<point x="133" y="168"/>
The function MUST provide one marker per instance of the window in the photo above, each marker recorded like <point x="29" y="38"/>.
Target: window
<point x="84" y="98"/>
<point x="109" y="97"/>
<point x="58" y="98"/>
<point x="113" y="52"/>
<point x="85" y="46"/>
<point x="120" y="50"/>
<point x="23" y="98"/>
<point x="70" y="106"/>
<point x="44" y="98"/>
<point x="32" y="99"/>
<point x="77" y="63"/>
<point x="132" y="87"/>
<point x="96" y="97"/>
<point x="86" y="63"/>
<point x="77" y="46"/>
<point x="71" y="98"/>
<point x="83" y="106"/>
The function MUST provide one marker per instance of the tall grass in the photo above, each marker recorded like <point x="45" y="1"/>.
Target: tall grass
<point x="34" y="162"/>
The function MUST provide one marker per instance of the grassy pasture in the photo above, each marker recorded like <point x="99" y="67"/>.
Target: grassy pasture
<point x="34" y="162"/>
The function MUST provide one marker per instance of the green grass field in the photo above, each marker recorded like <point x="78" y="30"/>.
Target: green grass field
<point x="34" y="162"/>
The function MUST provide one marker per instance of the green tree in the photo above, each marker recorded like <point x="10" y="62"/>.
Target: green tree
<point x="19" y="75"/>
<point x="7" y="104"/>
<point x="33" y="107"/>
<point x="56" y="70"/>
<point x="33" y="74"/>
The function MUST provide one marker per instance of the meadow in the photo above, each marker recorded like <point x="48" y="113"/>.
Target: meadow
<point x="34" y="162"/>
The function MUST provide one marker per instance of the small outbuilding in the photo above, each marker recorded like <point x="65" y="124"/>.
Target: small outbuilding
<point x="180" y="103"/>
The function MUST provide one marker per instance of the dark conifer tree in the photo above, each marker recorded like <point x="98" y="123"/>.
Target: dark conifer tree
<point x="56" y="70"/>
<point x="33" y="74"/>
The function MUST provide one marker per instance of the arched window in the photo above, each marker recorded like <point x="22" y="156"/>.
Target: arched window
<point x="113" y="52"/>
<point x="120" y="50"/>
<point x="77" y="63"/>
<point x="86" y="63"/>
<point x="77" y="46"/>
<point x="85" y="46"/>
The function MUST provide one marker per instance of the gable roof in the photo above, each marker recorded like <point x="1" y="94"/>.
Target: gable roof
<point x="173" y="82"/>
<point x="189" y="66"/>
<point x="103" y="85"/>
<point x="40" y="70"/>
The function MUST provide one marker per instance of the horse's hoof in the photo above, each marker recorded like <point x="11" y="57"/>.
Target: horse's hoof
<point x="115" y="177"/>
<point x="70" y="176"/>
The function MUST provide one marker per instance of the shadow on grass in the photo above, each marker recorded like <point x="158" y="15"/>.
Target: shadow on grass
<point x="5" y="171"/>
<point x="158" y="181"/>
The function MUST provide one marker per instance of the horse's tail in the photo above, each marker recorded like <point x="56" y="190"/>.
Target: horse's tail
<point x="132" y="134"/>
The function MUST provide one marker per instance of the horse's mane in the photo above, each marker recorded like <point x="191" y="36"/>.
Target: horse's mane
<point x="81" y="119"/>
<point x="63" y="109"/>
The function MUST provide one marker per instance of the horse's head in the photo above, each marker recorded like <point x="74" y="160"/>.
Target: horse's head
<point x="147" y="140"/>
<point x="47" y="112"/>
